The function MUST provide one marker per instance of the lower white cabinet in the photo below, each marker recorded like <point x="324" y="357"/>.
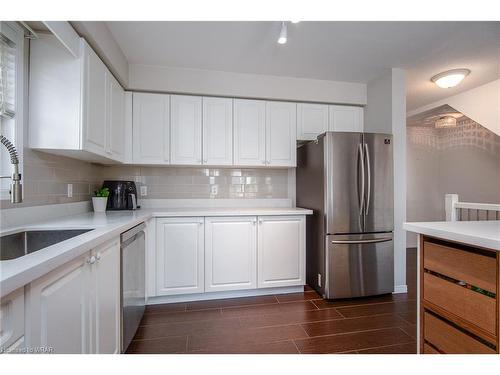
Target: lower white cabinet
<point x="227" y="253"/>
<point x="281" y="251"/>
<point x="230" y="253"/>
<point x="75" y="308"/>
<point x="12" y="322"/>
<point x="105" y="284"/>
<point x="179" y="255"/>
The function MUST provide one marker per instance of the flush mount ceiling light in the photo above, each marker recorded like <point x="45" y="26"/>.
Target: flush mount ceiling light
<point x="283" y="34"/>
<point x="446" y="122"/>
<point x="450" y="78"/>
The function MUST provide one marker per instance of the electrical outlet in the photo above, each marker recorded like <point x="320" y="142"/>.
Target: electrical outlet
<point x="214" y="189"/>
<point x="144" y="191"/>
<point x="70" y="190"/>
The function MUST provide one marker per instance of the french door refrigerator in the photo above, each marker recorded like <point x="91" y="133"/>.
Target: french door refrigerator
<point x="347" y="180"/>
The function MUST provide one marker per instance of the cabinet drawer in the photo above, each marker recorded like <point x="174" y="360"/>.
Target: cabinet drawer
<point x="450" y="340"/>
<point x="473" y="268"/>
<point x="429" y="350"/>
<point x="474" y="307"/>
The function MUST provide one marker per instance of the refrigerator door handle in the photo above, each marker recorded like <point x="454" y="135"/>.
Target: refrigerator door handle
<point x="361" y="195"/>
<point x="368" y="179"/>
<point x="373" y="240"/>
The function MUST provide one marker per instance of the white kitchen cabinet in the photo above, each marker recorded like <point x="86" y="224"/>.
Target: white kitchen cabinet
<point x="281" y="251"/>
<point x="179" y="256"/>
<point x="105" y="287"/>
<point x="185" y="128"/>
<point x="217" y="131"/>
<point x="12" y="321"/>
<point x="312" y="120"/>
<point x="76" y="307"/>
<point x="95" y="102"/>
<point x="230" y="253"/>
<point x="343" y="118"/>
<point x="59" y="309"/>
<point x="73" y="103"/>
<point x="151" y="128"/>
<point x="115" y="138"/>
<point x="249" y="132"/>
<point x="281" y="134"/>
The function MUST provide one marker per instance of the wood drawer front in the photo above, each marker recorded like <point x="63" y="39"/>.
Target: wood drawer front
<point x="450" y="340"/>
<point x="475" y="269"/>
<point x="466" y="304"/>
<point x="430" y="350"/>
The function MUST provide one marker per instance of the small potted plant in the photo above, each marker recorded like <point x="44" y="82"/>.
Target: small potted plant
<point x="100" y="199"/>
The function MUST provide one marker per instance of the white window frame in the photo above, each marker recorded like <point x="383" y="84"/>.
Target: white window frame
<point x="16" y="33"/>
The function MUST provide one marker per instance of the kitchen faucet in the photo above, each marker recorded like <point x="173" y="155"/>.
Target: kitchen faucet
<point x="16" y="189"/>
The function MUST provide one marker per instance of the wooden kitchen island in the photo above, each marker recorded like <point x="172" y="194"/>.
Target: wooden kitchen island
<point x="458" y="285"/>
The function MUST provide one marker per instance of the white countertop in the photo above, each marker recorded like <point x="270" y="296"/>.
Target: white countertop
<point x="18" y="272"/>
<point x="484" y="234"/>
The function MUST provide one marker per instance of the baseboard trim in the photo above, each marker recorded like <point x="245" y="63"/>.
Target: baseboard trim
<point x="400" y="289"/>
<point x="220" y="295"/>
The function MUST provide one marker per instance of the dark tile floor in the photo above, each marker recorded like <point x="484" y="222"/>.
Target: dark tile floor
<point x="291" y="323"/>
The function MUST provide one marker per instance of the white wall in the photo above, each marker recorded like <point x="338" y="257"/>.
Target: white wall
<point x="481" y="104"/>
<point x="386" y="113"/>
<point x="206" y="82"/>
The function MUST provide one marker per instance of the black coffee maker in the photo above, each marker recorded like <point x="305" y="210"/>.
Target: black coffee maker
<point x="122" y="195"/>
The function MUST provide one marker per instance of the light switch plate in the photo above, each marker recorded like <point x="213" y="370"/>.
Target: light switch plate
<point x="70" y="190"/>
<point x="144" y="191"/>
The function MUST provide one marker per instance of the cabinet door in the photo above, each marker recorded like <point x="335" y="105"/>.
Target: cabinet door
<point x="59" y="309"/>
<point x="217" y="131"/>
<point x="12" y="320"/>
<point x="230" y="253"/>
<point x="106" y="299"/>
<point x="115" y="140"/>
<point x="151" y="128"/>
<point x="186" y="129"/>
<point x="249" y="132"/>
<point x="281" y="134"/>
<point x="179" y="256"/>
<point x="281" y="251"/>
<point x="345" y="118"/>
<point x="94" y="129"/>
<point x="312" y="120"/>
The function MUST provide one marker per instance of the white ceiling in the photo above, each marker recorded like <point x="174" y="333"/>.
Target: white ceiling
<point x="340" y="51"/>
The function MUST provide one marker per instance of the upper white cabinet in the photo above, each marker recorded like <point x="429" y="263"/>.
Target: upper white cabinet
<point x="185" y="129"/>
<point x="96" y="88"/>
<point x="151" y="128"/>
<point x="230" y="253"/>
<point x="312" y="120"/>
<point x="73" y="103"/>
<point x="249" y="132"/>
<point x="217" y="131"/>
<point x="281" y="251"/>
<point x="345" y="118"/>
<point x="76" y="307"/>
<point x="115" y="138"/>
<point x="265" y="133"/>
<point x="179" y="256"/>
<point x="281" y="134"/>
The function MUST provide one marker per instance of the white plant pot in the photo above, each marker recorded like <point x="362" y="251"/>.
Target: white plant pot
<point x="99" y="203"/>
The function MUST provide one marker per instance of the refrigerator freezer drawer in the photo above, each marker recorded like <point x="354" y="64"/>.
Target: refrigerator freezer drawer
<point x="359" y="267"/>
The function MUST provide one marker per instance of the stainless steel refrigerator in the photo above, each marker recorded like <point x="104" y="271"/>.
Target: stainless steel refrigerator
<point x="347" y="180"/>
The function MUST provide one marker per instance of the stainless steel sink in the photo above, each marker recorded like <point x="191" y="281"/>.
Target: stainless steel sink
<point x="16" y="245"/>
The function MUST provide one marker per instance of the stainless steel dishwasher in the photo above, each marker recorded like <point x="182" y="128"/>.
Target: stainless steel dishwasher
<point x="133" y="291"/>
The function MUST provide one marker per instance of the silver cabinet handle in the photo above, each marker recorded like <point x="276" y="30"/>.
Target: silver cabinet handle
<point x="374" y="240"/>
<point x="98" y="256"/>
<point x="91" y="260"/>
